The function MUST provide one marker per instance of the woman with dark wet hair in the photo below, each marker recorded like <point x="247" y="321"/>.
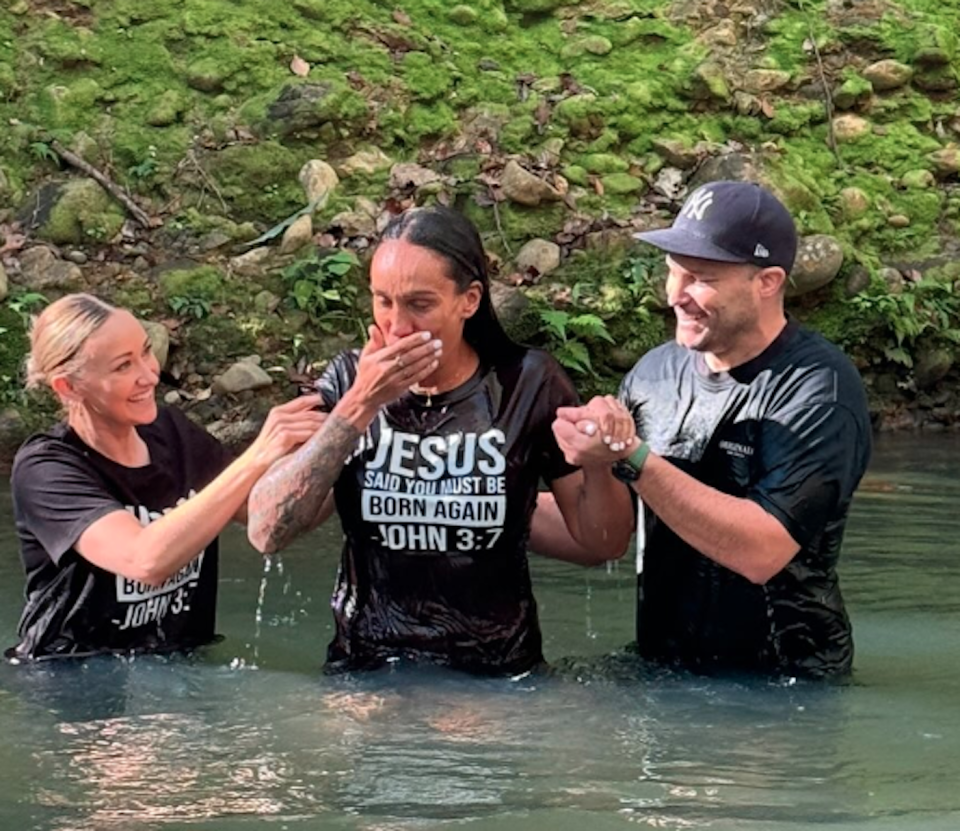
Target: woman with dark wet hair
<point x="438" y="434"/>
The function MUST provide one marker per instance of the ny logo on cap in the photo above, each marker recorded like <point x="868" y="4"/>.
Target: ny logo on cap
<point x="760" y="251"/>
<point x="697" y="205"/>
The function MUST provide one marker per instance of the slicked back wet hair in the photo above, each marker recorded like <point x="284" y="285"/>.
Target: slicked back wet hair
<point x="451" y="235"/>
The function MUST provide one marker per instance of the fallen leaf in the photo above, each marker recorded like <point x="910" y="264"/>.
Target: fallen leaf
<point x="298" y="66"/>
<point x="401" y="17"/>
<point x="597" y="187"/>
<point x="767" y="108"/>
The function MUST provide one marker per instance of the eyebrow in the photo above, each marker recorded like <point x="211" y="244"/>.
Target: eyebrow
<point x="146" y="345"/>
<point x="417" y="294"/>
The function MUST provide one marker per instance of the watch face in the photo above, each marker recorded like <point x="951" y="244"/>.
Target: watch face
<point x="625" y="472"/>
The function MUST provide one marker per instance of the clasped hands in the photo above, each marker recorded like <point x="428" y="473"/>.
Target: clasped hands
<point x="599" y="433"/>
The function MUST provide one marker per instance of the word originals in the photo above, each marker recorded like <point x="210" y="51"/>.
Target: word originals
<point x="736" y="449"/>
<point x="475" y="511"/>
<point x="130" y="591"/>
<point x="432" y="457"/>
<point x="436" y="537"/>
<point x="156" y="607"/>
<point x="447" y="487"/>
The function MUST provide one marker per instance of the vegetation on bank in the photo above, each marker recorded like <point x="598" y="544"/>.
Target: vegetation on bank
<point x="206" y="112"/>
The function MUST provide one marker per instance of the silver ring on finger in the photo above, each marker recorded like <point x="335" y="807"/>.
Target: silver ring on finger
<point x="398" y="362"/>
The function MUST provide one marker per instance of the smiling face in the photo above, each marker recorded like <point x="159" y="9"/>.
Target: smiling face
<point x="413" y="292"/>
<point x="723" y="309"/>
<point x="118" y="375"/>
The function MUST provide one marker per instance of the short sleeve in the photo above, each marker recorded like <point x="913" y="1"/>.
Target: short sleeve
<point x="810" y="463"/>
<point x="337" y="378"/>
<point x="556" y="390"/>
<point x="57" y="497"/>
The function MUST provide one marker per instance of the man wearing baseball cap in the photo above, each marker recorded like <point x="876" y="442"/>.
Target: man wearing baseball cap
<point x="752" y="434"/>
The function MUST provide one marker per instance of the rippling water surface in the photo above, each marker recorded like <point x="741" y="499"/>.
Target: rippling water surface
<point x="251" y="735"/>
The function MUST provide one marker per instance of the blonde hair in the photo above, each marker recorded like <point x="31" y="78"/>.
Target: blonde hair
<point x="59" y="333"/>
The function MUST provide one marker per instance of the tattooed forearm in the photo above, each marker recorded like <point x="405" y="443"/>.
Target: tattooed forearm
<point x="287" y="500"/>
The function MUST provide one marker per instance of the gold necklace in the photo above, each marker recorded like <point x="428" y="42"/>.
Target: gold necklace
<point x="429" y="393"/>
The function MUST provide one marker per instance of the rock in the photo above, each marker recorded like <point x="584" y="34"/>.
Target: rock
<point x="354" y="224"/>
<point x="509" y="303"/>
<point x="4" y="284"/>
<point x="77" y="257"/>
<point x="538" y="257"/>
<point x="256" y="360"/>
<point x="235" y="434"/>
<point x="710" y="83"/>
<point x="251" y="264"/>
<point x="266" y="302"/>
<point x="747" y="104"/>
<point x="621" y="184"/>
<point x="819" y="258"/>
<point x="159" y="340"/>
<point x="40" y="269"/>
<point x="525" y="188"/>
<point x="73" y="212"/>
<point x="723" y="34"/>
<point x="850" y="127"/>
<point x="365" y="161"/>
<point x="898" y="221"/>
<point x="318" y="180"/>
<point x="946" y="161"/>
<point x="408" y="175"/>
<point x="308" y="107"/>
<point x="888" y="74"/>
<point x="298" y="235"/>
<point x="917" y="180"/>
<point x="893" y="280"/>
<point x="592" y="44"/>
<point x="936" y="46"/>
<point x="166" y="110"/>
<point x="765" y="80"/>
<point x="937" y="79"/>
<point x="207" y="75"/>
<point x="240" y="377"/>
<point x="854" y="202"/>
<point x="678" y="153"/>
<point x="857" y="281"/>
<point x="171" y="398"/>
<point x="931" y="367"/>
<point x="463" y="15"/>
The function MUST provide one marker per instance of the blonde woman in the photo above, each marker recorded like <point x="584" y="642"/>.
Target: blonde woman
<point x="118" y="507"/>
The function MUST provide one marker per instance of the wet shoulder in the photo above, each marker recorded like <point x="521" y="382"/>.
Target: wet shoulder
<point x="812" y="370"/>
<point x="338" y="376"/>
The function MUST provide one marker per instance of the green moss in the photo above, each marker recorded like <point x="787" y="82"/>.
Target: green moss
<point x="217" y="339"/>
<point x="621" y="184"/>
<point x="259" y="182"/>
<point x="83" y="212"/>
<point x="204" y="282"/>
<point x="604" y="163"/>
<point x="426" y="78"/>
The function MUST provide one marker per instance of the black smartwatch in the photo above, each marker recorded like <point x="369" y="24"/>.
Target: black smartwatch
<point x="628" y="470"/>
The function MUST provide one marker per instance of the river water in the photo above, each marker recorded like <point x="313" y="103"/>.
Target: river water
<point x="251" y="735"/>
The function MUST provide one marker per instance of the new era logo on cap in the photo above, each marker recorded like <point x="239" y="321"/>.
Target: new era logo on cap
<point x="731" y="222"/>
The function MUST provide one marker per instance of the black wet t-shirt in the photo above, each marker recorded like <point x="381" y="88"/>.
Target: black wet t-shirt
<point x="436" y="505"/>
<point x="60" y="488"/>
<point x="789" y="430"/>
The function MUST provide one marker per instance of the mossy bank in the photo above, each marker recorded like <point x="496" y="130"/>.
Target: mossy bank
<point x="566" y="124"/>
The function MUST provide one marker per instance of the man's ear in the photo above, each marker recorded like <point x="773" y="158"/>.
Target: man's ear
<point x="471" y="299"/>
<point x="773" y="281"/>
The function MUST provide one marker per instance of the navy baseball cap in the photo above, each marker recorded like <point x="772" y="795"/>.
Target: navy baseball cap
<point x="731" y="222"/>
